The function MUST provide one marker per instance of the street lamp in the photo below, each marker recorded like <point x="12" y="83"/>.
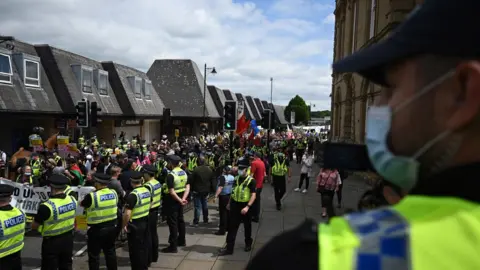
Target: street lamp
<point x="213" y="71"/>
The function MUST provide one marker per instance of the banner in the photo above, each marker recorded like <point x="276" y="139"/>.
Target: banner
<point x="28" y="198"/>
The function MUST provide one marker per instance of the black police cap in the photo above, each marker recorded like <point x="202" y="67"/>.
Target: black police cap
<point x="136" y="176"/>
<point x="243" y="163"/>
<point x="174" y="158"/>
<point x="437" y="27"/>
<point x="150" y="169"/>
<point x="102" y="178"/>
<point x="6" y="190"/>
<point x="58" y="180"/>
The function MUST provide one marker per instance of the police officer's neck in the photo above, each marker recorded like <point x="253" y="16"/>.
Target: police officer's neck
<point x="57" y="191"/>
<point x="136" y="185"/>
<point x="4" y="202"/>
<point x="99" y="187"/>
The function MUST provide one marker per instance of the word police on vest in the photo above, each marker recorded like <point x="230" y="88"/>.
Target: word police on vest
<point x="14" y="221"/>
<point x="67" y="208"/>
<point x="144" y="195"/>
<point x="107" y="197"/>
<point x="102" y="178"/>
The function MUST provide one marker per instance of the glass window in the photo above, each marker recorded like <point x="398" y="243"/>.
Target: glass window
<point x="32" y="73"/>
<point x="138" y="88"/>
<point x="5" y="68"/>
<point x="373" y="17"/>
<point x="87" y="77"/>
<point x="148" y="90"/>
<point x="103" y="84"/>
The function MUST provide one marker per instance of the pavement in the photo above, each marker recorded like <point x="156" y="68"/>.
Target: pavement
<point x="202" y="244"/>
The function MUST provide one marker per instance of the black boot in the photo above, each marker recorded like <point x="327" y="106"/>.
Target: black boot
<point x="225" y="252"/>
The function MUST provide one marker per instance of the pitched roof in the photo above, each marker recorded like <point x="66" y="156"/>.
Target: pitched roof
<point x="253" y="107"/>
<point x="259" y="105"/>
<point x="180" y="85"/>
<point x="17" y="97"/>
<point x="228" y="95"/>
<point x="280" y="113"/>
<point x="218" y="98"/>
<point x="59" y="65"/>
<point x="265" y="105"/>
<point x="120" y="76"/>
<point x="247" y="111"/>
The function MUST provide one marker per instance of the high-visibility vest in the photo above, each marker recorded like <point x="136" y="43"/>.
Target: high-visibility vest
<point x="241" y="192"/>
<point x="418" y="233"/>
<point x="156" y="189"/>
<point x="104" y="206"/>
<point x="192" y="163"/>
<point x="142" y="207"/>
<point x="62" y="217"/>
<point x="68" y="191"/>
<point x="36" y="168"/>
<point x="279" y="169"/>
<point x="30" y="179"/>
<point x="12" y="231"/>
<point x="248" y="170"/>
<point x="179" y="179"/>
<point x="138" y="168"/>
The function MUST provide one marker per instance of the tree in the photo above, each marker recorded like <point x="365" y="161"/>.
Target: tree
<point x="299" y="106"/>
<point x="320" y="114"/>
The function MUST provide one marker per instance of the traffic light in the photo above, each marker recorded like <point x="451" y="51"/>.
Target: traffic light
<point x="82" y="114"/>
<point x="230" y="116"/>
<point x="167" y="120"/>
<point x="266" y="119"/>
<point x="94" y="110"/>
<point x="273" y="120"/>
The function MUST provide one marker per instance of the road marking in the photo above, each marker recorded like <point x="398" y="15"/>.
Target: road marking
<point x="80" y="252"/>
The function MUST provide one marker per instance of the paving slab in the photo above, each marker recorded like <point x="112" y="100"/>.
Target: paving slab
<point x="202" y="245"/>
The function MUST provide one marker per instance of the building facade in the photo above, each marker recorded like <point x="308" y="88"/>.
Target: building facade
<point x="359" y="24"/>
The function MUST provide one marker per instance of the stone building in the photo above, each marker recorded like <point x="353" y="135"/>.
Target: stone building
<point x="358" y="24"/>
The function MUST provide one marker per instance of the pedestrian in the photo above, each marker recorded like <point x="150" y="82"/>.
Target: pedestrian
<point x="224" y="189"/>
<point x="177" y="190"/>
<point x="242" y="198"/>
<point x="328" y="182"/>
<point x="280" y="169"/>
<point x="202" y="183"/>
<point x="258" y="172"/>
<point x="12" y="226"/>
<point x="135" y="222"/>
<point x="155" y="189"/>
<point x="55" y="220"/>
<point x="306" y="171"/>
<point x="101" y="208"/>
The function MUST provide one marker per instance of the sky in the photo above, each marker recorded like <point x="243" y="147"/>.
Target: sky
<point x="247" y="41"/>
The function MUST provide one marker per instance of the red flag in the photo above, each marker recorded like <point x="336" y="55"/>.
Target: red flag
<point x="251" y="136"/>
<point x="242" y="125"/>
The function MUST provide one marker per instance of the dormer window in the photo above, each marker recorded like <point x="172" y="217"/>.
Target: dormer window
<point x="101" y="79"/>
<point x="31" y="74"/>
<point x="84" y="76"/>
<point x="5" y="68"/>
<point x="147" y="89"/>
<point x="136" y="85"/>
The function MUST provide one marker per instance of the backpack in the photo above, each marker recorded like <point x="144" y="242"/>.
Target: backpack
<point x="326" y="180"/>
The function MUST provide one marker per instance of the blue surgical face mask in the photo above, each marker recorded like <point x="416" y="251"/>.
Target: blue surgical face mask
<point x="241" y="172"/>
<point x="400" y="170"/>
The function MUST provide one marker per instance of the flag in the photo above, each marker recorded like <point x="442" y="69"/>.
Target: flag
<point x="242" y="125"/>
<point x="253" y="125"/>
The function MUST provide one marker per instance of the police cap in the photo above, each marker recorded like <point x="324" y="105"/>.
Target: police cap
<point x="58" y="181"/>
<point x="243" y="163"/>
<point x="102" y="178"/>
<point x="6" y="190"/>
<point x="136" y="177"/>
<point x="150" y="169"/>
<point x="174" y="158"/>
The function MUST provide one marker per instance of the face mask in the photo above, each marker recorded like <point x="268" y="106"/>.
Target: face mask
<point x="28" y="174"/>
<point x="399" y="170"/>
<point x="241" y="172"/>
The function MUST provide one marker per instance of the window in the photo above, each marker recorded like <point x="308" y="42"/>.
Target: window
<point x="138" y="88"/>
<point x="32" y="73"/>
<point x="147" y="90"/>
<point x="354" y="25"/>
<point x="87" y="80"/>
<point x="5" y="68"/>
<point x="373" y="17"/>
<point x="103" y="84"/>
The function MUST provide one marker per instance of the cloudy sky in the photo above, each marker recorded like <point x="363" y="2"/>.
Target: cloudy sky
<point x="248" y="41"/>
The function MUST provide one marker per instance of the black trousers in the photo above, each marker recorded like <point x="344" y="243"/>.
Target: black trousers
<point x="138" y="244"/>
<point x="279" y="188"/>
<point x="257" y="207"/>
<point x="57" y="252"/>
<point x="304" y="177"/>
<point x="327" y="201"/>
<point x="176" y="224"/>
<point x="224" y="213"/>
<point x="102" y="239"/>
<point x="236" y="218"/>
<point x="152" y="225"/>
<point x="12" y="261"/>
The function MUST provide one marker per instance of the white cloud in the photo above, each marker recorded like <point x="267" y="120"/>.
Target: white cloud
<point x="330" y="19"/>
<point x="245" y="45"/>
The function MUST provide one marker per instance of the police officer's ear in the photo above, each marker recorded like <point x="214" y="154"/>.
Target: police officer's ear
<point x="391" y="196"/>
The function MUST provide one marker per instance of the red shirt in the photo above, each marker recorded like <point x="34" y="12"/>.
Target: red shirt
<point x="258" y="170"/>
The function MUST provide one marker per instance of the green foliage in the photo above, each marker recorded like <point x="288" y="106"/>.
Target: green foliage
<point x="320" y="114"/>
<point x="299" y="106"/>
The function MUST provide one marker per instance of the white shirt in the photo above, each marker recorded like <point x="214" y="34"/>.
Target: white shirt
<point x="307" y="163"/>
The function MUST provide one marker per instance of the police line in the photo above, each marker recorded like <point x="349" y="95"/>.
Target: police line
<point x="28" y="198"/>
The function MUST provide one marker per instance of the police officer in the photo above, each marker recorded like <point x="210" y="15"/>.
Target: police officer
<point x="155" y="189"/>
<point x="421" y="135"/>
<point x="135" y="222"/>
<point x="178" y="189"/>
<point x="241" y="200"/>
<point x="12" y="228"/>
<point x="101" y="208"/>
<point x="55" y="220"/>
<point x="280" y="169"/>
<point x="224" y="189"/>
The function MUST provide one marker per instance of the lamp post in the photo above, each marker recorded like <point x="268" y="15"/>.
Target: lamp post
<point x="270" y="116"/>
<point x="212" y="71"/>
